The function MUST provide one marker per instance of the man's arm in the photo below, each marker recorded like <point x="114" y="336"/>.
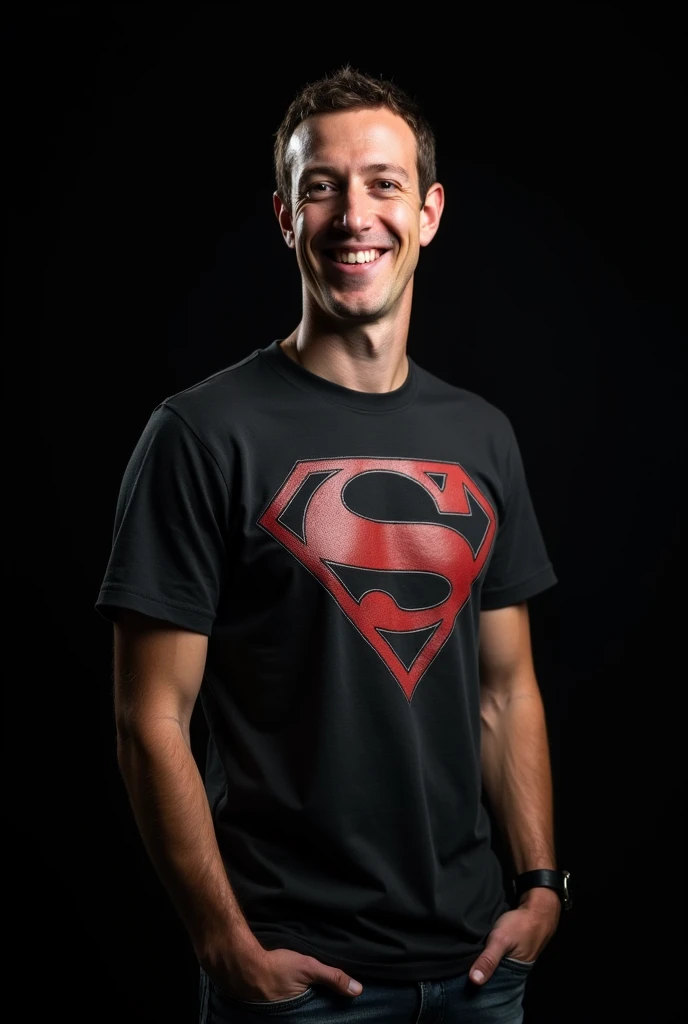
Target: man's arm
<point x="517" y="778"/>
<point x="158" y="670"/>
<point x="515" y="750"/>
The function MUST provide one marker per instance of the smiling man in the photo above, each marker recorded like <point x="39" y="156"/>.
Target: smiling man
<point x="333" y="549"/>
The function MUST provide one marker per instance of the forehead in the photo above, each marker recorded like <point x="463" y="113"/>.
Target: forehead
<point x="347" y="138"/>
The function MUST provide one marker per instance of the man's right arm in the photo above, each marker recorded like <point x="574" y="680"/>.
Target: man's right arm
<point x="158" y="670"/>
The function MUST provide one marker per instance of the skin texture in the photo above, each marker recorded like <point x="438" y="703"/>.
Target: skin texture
<point x="355" y="186"/>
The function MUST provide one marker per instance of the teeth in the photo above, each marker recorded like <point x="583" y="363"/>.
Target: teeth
<point x="362" y="256"/>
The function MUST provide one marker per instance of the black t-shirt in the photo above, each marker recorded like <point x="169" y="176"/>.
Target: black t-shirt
<point x="337" y="546"/>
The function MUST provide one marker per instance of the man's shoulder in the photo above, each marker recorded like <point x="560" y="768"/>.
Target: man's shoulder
<point x="213" y="399"/>
<point x="465" y="402"/>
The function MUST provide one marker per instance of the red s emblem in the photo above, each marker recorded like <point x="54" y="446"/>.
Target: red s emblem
<point x="397" y="542"/>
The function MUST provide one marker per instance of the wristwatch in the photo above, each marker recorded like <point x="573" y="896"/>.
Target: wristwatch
<point x="548" y="879"/>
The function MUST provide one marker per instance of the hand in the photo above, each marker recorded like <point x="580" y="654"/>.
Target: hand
<point x="273" y="974"/>
<point x="521" y="933"/>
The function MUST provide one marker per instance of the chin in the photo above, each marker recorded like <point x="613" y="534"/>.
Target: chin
<point x="358" y="316"/>
<point x="362" y="312"/>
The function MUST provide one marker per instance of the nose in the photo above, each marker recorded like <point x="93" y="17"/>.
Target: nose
<point x="355" y="213"/>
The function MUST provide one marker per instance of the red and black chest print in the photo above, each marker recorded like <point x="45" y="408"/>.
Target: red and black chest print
<point x="398" y="544"/>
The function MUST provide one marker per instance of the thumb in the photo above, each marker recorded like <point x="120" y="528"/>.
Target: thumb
<point x="486" y="964"/>
<point x="339" y="980"/>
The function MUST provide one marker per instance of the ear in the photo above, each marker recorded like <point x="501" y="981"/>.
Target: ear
<point x="284" y="217"/>
<point x="430" y="213"/>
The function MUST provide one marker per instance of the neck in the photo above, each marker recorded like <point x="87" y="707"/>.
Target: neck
<point x="364" y="357"/>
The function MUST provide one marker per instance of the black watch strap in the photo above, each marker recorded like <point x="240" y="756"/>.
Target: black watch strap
<point x="548" y="879"/>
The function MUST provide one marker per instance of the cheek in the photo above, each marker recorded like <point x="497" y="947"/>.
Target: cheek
<point x="307" y="224"/>
<point x="406" y="226"/>
<point x="299" y="228"/>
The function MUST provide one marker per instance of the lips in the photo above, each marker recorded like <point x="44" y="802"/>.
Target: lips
<point x="355" y="259"/>
<point x="350" y="256"/>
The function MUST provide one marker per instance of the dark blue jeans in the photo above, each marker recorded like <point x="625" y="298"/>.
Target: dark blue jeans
<point x="453" y="1000"/>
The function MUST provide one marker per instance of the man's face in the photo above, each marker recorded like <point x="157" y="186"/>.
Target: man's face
<point x="356" y="218"/>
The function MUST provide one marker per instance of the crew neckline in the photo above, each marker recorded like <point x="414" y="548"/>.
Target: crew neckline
<point x="363" y="401"/>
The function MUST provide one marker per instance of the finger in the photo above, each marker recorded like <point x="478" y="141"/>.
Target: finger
<point x="336" y="979"/>
<point x="486" y="964"/>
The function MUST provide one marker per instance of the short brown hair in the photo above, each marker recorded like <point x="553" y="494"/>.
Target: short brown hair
<point x="349" y="89"/>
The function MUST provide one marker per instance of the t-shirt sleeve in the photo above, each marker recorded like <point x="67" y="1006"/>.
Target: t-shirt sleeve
<point x="520" y="566"/>
<point x="170" y="534"/>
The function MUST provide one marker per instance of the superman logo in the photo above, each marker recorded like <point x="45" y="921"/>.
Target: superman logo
<point x="398" y="544"/>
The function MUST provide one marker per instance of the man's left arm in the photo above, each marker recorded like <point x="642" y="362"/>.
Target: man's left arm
<point x="518" y="781"/>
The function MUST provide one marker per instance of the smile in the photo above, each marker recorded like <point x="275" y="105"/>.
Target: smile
<point x="355" y="255"/>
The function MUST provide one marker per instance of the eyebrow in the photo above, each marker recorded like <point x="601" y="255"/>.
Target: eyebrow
<point x="396" y="169"/>
<point x="387" y="168"/>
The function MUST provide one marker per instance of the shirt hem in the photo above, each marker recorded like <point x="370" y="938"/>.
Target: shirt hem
<point x="112" y="597"/>
<point x="361" y="970"/>
<point x="518" y="592"/>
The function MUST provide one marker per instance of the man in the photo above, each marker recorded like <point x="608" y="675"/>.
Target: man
<point x="335" y="549"/>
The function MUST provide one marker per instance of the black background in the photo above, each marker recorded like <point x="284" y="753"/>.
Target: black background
<point x="144" y="255"/>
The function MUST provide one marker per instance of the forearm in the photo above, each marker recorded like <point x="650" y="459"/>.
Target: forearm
<point x="171" y="810"/>
<point x="517" y="773"/>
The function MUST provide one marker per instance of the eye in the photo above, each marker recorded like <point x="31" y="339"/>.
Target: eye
<point x="319" y="190"/>
<point x="386" y="186"/>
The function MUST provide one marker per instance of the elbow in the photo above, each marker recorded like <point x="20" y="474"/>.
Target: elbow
<point x="134" y="740"/>
<point x="149" y="738"/>
<point x="128" y="728"/>
<point x="499" y="694"/>
<point x="493" y="703"/>
<point x="128" y="746"/>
